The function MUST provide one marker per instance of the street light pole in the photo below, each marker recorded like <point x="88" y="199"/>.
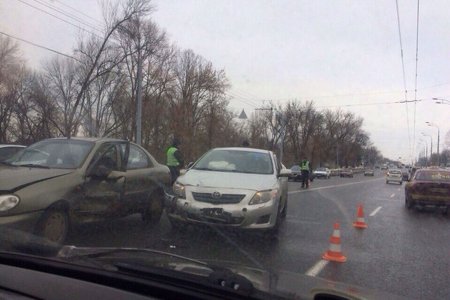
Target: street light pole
<point x="431" y="146"/>
<point x="438" y="156"/>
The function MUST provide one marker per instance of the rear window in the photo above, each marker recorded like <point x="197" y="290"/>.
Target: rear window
<point x="395" y="172"/>
<point x="441" y="176"/>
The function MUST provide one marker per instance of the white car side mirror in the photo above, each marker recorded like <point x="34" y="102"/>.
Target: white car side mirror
<point x="285" y="172"/>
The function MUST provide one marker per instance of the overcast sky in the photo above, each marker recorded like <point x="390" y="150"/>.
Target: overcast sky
<point x="337" y="53"/>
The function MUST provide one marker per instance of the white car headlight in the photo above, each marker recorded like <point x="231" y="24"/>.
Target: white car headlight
<point x="8" y="201"/>
<point x="263" y="196"/>
<point x="179" y="190"/>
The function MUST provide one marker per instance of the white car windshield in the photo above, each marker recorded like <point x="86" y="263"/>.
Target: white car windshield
<point x="236" y="161"/>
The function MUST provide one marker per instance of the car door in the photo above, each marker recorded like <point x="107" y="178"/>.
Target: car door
<point x="141" y="178"/>
<point x="104" y="184"/>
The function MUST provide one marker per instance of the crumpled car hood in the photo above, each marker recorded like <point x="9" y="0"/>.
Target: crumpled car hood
<point x="14" y="178"/>
<point x="228" y="180"/>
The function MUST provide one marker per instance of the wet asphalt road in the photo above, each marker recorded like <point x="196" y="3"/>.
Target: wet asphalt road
<point x="402" y="252"/>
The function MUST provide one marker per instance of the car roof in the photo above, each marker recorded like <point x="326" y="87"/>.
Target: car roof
<point x="11" y="145"/>
<point x="89" y="139"/>
<point x="243" y="149"/>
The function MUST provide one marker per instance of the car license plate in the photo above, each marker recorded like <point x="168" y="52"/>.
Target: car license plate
<point x="212" y="212"/>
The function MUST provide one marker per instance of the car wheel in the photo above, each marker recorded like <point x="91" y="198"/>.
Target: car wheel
<point x="54" y="225"/>
<point x="176" y="225"/>
<point x="408" y="203"/>
<point x="152" y="214"/>
<point x="401" y="182"/>
<point x="284" y="211"/>
<point x="387" y="181"/>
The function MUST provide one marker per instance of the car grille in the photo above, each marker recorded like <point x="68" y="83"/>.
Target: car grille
<point x="222" y="199"/>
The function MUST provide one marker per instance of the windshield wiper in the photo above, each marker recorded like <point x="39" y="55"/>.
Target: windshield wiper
<point x="204" y="169"/>
<point x="33" y="166"/>
<point x="211" y="276"/>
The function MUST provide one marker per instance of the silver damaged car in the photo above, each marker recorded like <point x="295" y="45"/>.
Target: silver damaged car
<point x="233" y="187"/>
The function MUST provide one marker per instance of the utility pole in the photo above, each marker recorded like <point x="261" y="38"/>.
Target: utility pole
<point x="139" y="94"/>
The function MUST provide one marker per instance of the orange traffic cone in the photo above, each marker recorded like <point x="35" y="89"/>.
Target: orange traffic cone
<point x="360" y="223"/>
<point x="334" y="253"/>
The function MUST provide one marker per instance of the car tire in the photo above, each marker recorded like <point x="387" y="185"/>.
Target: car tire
<point x="176" y="225"/>
<point x="152" y="214"/>
<point x="54" y="225"/>
<point x="408" y="203"/>
<point x="401" y="182"/>
<point x="387" y="181"/>
<point x="284" y="211"/>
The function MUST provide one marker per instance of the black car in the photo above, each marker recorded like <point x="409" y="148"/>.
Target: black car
<point x="296" y="174"/>
<point x="8" y="151"/>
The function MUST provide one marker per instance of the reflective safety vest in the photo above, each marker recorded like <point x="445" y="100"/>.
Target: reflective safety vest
<point x="172" y="161"/>
<point x="305" y="166"/>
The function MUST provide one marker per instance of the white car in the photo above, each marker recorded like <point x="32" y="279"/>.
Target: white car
<point x="394" y="175"/>
<point x="233" y="187"/>
<point x="322" y="173"/>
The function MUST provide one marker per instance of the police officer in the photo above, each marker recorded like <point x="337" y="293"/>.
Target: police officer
<point x="174" y="159"/>
<point x="304" y="167"/>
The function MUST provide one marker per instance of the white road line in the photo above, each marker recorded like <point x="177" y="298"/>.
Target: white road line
<point x="332" y="186"/>
<point x="375" y="211"/>
<point x="393" y="195"/>
<point x="315" y="270"/>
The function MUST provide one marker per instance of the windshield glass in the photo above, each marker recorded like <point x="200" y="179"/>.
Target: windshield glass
<point x="438" y="176"/>
<point x="236" y="161"/>
<point x="166" y="125"/>
<point x="59" y="154"/>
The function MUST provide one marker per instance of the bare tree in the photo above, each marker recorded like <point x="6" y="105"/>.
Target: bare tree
<point x="11" y="72"/>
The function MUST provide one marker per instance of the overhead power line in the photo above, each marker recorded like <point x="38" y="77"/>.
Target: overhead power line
<point x="404" y="76"/>
<point x="39" y="46"/>
<point x="369" y="104"/>
<point x="61" y="19"/>
<point x="76" y="10"/>
<point x="69" y="15"/>
<point x="241" y="99"/>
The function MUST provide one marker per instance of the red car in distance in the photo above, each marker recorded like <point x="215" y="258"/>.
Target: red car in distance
<point x="429" y="187"/>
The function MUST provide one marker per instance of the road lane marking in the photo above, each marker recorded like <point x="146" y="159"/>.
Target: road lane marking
<point x="393" y="195"/>
<point x="375" y="211"/>
<point x="315" y="270"/>
<point x="332" y="186"/>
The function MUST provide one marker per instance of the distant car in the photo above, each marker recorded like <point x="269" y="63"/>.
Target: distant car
<point x="322" y="173"/>
<point x="429" y="187"/>
<point x="384" y="167"/>
<point x="369" y="172"/>
<point x="346" y="173"/>
<point x="55" y="183"/>
<point x="296" y="173"/>
<point x="8" y="151"/>
<point x="405" y="174"/>
<point x="394" y="175"/>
